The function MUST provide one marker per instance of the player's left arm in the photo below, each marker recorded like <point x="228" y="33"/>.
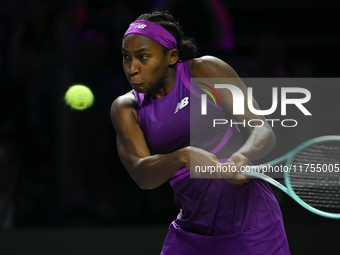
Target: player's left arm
<point x="261" y="140"/>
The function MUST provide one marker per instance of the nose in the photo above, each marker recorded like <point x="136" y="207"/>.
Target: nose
<point x="133" y="67"/>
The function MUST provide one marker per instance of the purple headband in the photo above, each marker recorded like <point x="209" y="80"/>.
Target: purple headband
<point x="153" y="31"/>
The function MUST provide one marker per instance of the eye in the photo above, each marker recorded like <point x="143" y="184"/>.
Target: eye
<point x="144" y="57"/>
<point x="125" y="56"/>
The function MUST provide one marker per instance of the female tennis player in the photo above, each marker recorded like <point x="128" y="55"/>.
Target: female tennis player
<point x="229" y="215"/>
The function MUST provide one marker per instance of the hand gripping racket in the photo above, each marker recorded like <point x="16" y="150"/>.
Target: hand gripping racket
<point x="311" y="174"/>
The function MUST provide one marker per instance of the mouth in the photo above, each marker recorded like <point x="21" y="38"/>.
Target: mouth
<point x="136" y="84"/>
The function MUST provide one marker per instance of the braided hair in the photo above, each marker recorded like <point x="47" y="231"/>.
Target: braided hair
<point x="187" y="48"/>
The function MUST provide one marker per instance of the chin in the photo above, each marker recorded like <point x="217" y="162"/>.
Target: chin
<point x="139" y="89"/>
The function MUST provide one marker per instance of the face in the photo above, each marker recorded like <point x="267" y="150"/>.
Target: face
<point x="145" y="64"/>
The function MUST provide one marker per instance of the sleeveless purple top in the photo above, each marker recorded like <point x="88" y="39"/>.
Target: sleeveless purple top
<point x="215" y="217"/>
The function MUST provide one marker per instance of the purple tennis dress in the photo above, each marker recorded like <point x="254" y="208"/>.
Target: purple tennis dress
<point x="215" y="217"/>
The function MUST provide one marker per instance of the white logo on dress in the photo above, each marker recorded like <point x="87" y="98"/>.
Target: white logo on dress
<point x="141" y="26"/>
<point x="182" y="104"/>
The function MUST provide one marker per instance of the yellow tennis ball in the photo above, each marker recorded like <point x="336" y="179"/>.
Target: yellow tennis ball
<point x="79" y="97"/>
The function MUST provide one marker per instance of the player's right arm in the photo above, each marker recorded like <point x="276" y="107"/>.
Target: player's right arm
<point x="148" y="171"/>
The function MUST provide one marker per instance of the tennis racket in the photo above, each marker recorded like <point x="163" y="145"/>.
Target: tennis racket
<point x="311" y="174"/>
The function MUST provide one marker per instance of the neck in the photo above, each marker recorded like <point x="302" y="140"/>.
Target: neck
<point x="165" y="86"/>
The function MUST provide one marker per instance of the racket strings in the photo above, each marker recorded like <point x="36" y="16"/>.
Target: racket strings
<point x="315" y="176"/>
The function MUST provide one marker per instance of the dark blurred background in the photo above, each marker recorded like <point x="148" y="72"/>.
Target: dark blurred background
<point x="59" y="168"/>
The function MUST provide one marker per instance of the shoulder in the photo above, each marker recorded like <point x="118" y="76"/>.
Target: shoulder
<point x="122" y="105"/>
<point x="211" y="67"/>
<point x="123" y="101"/>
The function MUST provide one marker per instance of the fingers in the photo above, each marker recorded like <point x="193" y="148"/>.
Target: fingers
<point x="235" y="176"/>
<point x="211" y="167"/>
<point x="238" y="179"/>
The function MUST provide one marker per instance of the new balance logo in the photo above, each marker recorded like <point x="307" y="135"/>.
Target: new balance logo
<point x="141" y="26"/>
<point x="182" y="104"/>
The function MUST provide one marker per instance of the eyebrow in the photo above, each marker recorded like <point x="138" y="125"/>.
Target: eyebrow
<point x="137" y="51"/>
